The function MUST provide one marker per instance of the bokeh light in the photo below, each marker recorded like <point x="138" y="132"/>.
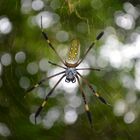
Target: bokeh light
<point x="62" y="36"/>
<point x="55" y="4"/>
<point x="129" y="117"/>
<point x="131" y="97"/>
<point x="43" y="64"/>
<point x="6" y="59"/>
<point x="118" y="54"/>
<point x="96" y="4"/>
<point x="52" y="115"/>
<point x="32" y="68"/>
<point x="4" y="130"/>
<point x="74" y="101"/>
<point x="125" y="21"/>
<point x="130" y="9"/>
<point x="5" y="25"/>
<point x="48" y="19"/>
<point x="40" y="93"/>
<point x="24" y="82"/>
<point x="127" y="81"/>
<point x="20" y="57"/>
<point x="70" y="116"/>
<point x="120" y="107"/>
<point x="26" y="6"/>
<point x="37" y="5"/>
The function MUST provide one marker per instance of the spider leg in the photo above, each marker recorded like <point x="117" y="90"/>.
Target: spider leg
<point x="85" y="102"/>
<point x="43" y="80"/>
<point x="47" y="97"/>
<point x="91" y="88"/>
<point x="97" y="38"/>
<point x="49" y="42"/>
<point x="96" y="69"/>
<point x="56" y="65"/>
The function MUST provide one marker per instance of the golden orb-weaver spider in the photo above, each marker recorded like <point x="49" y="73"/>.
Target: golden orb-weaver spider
<point x="70" y="73"/>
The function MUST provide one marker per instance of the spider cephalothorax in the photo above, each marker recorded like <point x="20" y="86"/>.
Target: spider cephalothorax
<point x="70" y="73"/>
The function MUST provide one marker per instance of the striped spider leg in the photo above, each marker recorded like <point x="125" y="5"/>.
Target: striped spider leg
<point x="85" y="102"/>
<point x="43" y="80"/>
<point x="49" y="42"/>
<point x="92" y="89"/>
<point x="47" y="97"/>
<point x="70" y="72"/>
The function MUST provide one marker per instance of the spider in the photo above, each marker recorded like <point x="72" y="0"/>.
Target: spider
<point x="70" y="73"/>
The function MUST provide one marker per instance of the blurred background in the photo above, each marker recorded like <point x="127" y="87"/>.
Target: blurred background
<point x="24" y="56"/>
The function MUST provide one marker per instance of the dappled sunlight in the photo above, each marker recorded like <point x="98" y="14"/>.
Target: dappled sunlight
<point x="32" y="68"/>
<point x="24" y="82"/>
<point x="43" y="64"/>
<point x="48" y="19"/>
<point x="62" y="36"/>
<point x="70" y="116"/>
<point x="6" y="59"/>
<point x="37" y="5"/>
<point x="5" y="25"/>
<point x="20" y="57"/>
<point x="27" y="60"/>
<point x="120" y="107"/>
<point x="4" y="130"/>
<point x="129" y="117"/>
<point x="51" y="117"/>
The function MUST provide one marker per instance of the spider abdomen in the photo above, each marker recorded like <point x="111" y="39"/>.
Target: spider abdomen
<point x="74" y="51"/>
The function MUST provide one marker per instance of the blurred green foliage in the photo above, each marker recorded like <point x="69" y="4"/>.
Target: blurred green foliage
<point x="15" y="109"/>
